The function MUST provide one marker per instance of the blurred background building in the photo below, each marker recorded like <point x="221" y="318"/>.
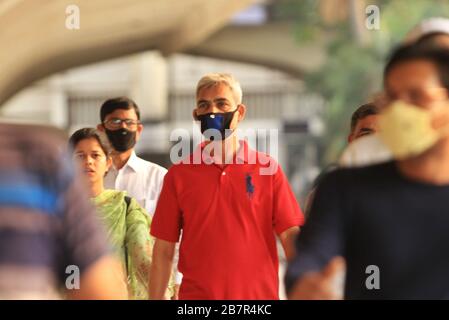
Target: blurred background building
<point x="304" y="65"/>
<point x="164" y="88"/>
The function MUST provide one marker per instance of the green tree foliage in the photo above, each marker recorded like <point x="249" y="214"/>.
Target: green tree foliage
<point x="352" y="73"/>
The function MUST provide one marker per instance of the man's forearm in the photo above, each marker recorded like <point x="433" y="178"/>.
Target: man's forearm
<point x="159" y="278"/>
<point x="104" y="279"/>
<point x="287" y="239"/>
<point x="160" y="271"/>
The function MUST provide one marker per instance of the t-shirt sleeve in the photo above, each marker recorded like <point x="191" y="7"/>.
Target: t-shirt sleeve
<point x="84" y="237"/>
<point x="167" y="219"/>
<point x="286" y="210"/>
<point x="321" y="238"/>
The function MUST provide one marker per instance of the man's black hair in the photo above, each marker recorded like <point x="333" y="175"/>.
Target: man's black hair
<point x="113" y="104"/>
<point x="362" y="112"/>
<point x="436" y="55"/>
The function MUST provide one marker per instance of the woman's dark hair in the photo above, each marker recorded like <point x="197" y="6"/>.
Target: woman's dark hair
<point x="437" y="55"/>
<point x="113" y="104"/>
<point x="90" y="133"/>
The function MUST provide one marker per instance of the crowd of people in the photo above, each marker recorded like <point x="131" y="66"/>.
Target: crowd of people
<point x="86" y="218"/>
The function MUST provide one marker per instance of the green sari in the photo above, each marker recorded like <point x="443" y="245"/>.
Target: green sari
<point x="128" y="230"/>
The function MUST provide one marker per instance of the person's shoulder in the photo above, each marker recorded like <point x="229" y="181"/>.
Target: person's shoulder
<point x="135" y="211"/>
<point x="119" y="196"/>
<point x="261" y="158"/>
<point x="370" y="172"/>
<point x="178" y="168"/>
<point x="369" y="169"/>
<point x="150" y="166"/>
<point x="114" y="194"/>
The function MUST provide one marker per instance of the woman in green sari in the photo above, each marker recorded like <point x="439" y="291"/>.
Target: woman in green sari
<point x="126" y="222"/>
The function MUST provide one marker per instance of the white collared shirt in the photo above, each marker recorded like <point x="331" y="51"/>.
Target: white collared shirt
<point x="141" y="179"/>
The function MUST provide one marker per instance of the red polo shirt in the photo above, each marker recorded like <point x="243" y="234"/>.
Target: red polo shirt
<point x="228" y="216"/>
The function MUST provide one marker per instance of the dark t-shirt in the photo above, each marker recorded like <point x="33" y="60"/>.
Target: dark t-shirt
<point x="376" y="216"/>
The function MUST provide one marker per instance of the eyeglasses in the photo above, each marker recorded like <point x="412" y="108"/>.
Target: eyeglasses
<point x="116" y="123"/>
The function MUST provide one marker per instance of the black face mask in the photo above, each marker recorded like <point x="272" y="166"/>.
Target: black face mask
<point x="216" y="121"/>
<point x="122" y="139"/>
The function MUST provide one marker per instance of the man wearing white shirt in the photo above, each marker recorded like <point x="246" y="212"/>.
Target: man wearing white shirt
<point x="141" y="179"/>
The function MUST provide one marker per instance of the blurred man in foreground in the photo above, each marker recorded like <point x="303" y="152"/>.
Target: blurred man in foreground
<point x="369" y="218"/>
<point x="51" y="245"/>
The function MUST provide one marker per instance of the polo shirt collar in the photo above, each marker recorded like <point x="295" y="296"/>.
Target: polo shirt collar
<point x="243" y="154"/>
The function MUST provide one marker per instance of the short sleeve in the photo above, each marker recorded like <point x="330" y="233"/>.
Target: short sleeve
<point x="167" y="219"/>
<point x="286" y="210"/>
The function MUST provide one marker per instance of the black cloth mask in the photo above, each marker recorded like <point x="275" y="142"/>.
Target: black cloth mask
<point x="122" y="139"/>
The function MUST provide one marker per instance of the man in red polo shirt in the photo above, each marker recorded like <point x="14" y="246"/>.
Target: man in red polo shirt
<point x="229" y="202"/>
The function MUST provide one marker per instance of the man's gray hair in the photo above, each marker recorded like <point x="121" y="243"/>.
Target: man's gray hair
<point x="213" y="79"/>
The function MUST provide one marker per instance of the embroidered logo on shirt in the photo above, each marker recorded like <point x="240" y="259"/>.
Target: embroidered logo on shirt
<point x="249" y="186"/>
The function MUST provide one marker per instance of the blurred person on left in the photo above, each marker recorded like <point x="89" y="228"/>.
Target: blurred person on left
<point x="51" y="245"/>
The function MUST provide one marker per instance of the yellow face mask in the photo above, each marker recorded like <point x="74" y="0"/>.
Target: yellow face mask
<point x="407" y="130"/>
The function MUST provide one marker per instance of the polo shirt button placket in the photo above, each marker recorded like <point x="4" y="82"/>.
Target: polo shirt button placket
<point x="223" y="175"/>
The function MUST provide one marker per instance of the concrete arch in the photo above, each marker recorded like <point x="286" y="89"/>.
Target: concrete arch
<point x="39" y="44"/>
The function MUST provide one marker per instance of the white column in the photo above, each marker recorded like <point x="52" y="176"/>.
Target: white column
<point x="149" y="85"/>
<point x="58" y="104"/>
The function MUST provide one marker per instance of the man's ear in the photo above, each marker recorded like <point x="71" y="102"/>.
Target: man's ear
<point x="139" y="131"/>
<point x="100" y="127"/>
<point x="350" y="138"/>
<point x="241" y="112"/>
<point x="108" y="163"/>
<point x="195" y="116"/>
